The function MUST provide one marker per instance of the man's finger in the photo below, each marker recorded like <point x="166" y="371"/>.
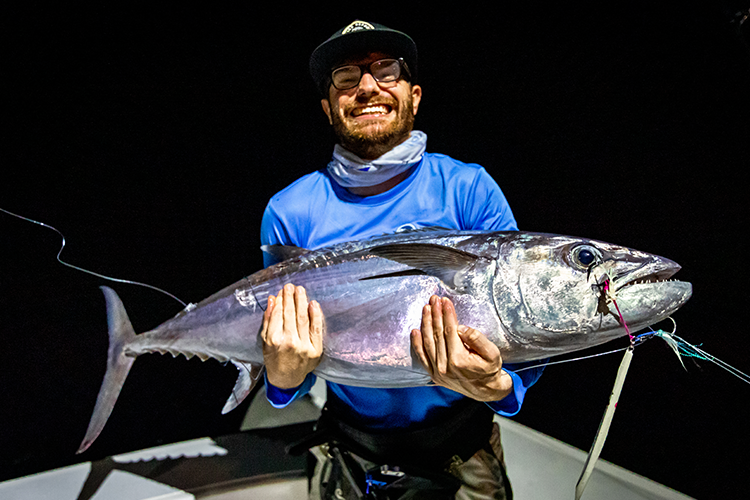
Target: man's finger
<point x="289" y="315"/>
<point x="479" y="343"/>
<point x="302" y="317"/>
<point x="418" y="347"/>
<point x="428" y="336"/>
<point x="453" y="343"/>
<point x="316" y="325"/>
<point x="267" y="318"/>
<point x="276" y="319"/>
<point x="438" y="332"/>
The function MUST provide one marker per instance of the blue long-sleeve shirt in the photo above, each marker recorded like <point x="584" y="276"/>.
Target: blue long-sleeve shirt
<point x="315" y="211"/>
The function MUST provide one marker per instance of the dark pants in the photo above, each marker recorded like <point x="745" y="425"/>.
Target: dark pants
<point x="481" y="477"/>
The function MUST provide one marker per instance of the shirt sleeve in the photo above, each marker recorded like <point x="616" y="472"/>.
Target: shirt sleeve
<point x="272" y="232"/>
<point x="281" y="398"/>
<point x="486" y="207"/>
<point x="524" y="376"/>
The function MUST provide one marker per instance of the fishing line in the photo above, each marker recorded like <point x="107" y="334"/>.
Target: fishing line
<point x="118" y="280"/>
<point x="681" y="347"/>
<point x="559" y="362"/>
<point x="637" y="340"/>
<point x="611" y="295"/>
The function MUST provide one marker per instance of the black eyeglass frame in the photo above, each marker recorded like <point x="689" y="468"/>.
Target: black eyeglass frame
<point x="366" y="68"/>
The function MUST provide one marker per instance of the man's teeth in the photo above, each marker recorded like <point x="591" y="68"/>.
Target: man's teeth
<point x="371" y="110"/>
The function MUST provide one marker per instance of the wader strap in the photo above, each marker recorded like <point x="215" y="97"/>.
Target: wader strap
<point x="461" y="434"/>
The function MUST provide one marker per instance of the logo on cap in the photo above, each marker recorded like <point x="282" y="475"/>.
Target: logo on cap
<point x="357" y="26"/>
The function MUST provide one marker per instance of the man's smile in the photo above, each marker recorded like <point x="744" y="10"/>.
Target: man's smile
<point x="371" y="110"/>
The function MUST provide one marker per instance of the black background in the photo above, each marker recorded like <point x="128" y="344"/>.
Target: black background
<point x="153" y="137"/>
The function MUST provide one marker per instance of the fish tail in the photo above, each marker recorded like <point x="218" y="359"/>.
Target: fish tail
<point x="121" y="333"/>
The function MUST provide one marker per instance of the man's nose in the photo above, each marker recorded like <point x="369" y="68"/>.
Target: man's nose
<point x="367" y="85"/>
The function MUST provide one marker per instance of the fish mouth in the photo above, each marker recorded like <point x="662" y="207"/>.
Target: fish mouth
<point x="656" y="277"/>
<point x="645" y="291"/>
<point x="650" y="297"/>
<point x="659" y="270"/>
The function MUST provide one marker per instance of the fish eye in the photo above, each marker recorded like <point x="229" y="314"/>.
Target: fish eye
<point x="585" y="255"/>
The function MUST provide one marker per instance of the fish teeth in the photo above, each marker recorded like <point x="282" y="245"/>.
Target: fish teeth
<point x="646" y="281"/>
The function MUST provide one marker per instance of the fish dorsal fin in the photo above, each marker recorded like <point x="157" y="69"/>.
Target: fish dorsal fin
<point x="446" y="263"/>
<point x="280" y="253"/>
<point x="246" y="380"/>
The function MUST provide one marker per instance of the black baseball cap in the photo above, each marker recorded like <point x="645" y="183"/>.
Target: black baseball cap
<point x="356" y="38"/>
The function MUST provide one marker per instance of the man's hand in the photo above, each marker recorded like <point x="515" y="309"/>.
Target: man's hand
<point x="292" y="336"/>
<point x="458" y="357"/>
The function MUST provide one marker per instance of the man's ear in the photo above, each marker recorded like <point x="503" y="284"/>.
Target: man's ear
<point x="327" y="109"/>
<point x="416" y="97"/>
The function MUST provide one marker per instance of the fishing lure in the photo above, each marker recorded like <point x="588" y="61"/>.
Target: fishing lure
<point x="609" y="412"/>
<point x="680" y="347"/>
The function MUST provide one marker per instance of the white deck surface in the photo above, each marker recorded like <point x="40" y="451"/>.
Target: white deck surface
<point x="539" y="467"/>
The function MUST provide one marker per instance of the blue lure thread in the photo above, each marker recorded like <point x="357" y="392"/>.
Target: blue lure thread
<point x="186" y="306"/>
<point x="684" y="349"/>
<point x="681" y="347"/>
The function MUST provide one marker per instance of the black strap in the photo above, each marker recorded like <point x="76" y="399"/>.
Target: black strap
<point x="461" y="433"/>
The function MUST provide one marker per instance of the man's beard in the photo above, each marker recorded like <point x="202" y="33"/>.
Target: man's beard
<point x="370" y="145"/>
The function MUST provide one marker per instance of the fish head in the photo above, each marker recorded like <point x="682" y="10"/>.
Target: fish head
<point x="559" y="294"/>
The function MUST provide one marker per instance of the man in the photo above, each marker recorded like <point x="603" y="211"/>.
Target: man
<point x="380" y="180"/>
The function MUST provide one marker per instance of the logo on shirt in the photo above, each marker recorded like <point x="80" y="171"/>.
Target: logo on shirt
<point x="405" y="228"/>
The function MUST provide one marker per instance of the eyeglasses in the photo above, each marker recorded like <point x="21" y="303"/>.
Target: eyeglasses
<point x="382" y="70"/>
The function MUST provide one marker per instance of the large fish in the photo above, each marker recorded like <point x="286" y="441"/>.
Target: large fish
<point x="534" y="295"/>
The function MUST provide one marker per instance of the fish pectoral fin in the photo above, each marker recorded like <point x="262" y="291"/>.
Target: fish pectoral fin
<point x="280" y="253"/>
<point x="448" y="264"/>
<point x="249" y="375"/>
